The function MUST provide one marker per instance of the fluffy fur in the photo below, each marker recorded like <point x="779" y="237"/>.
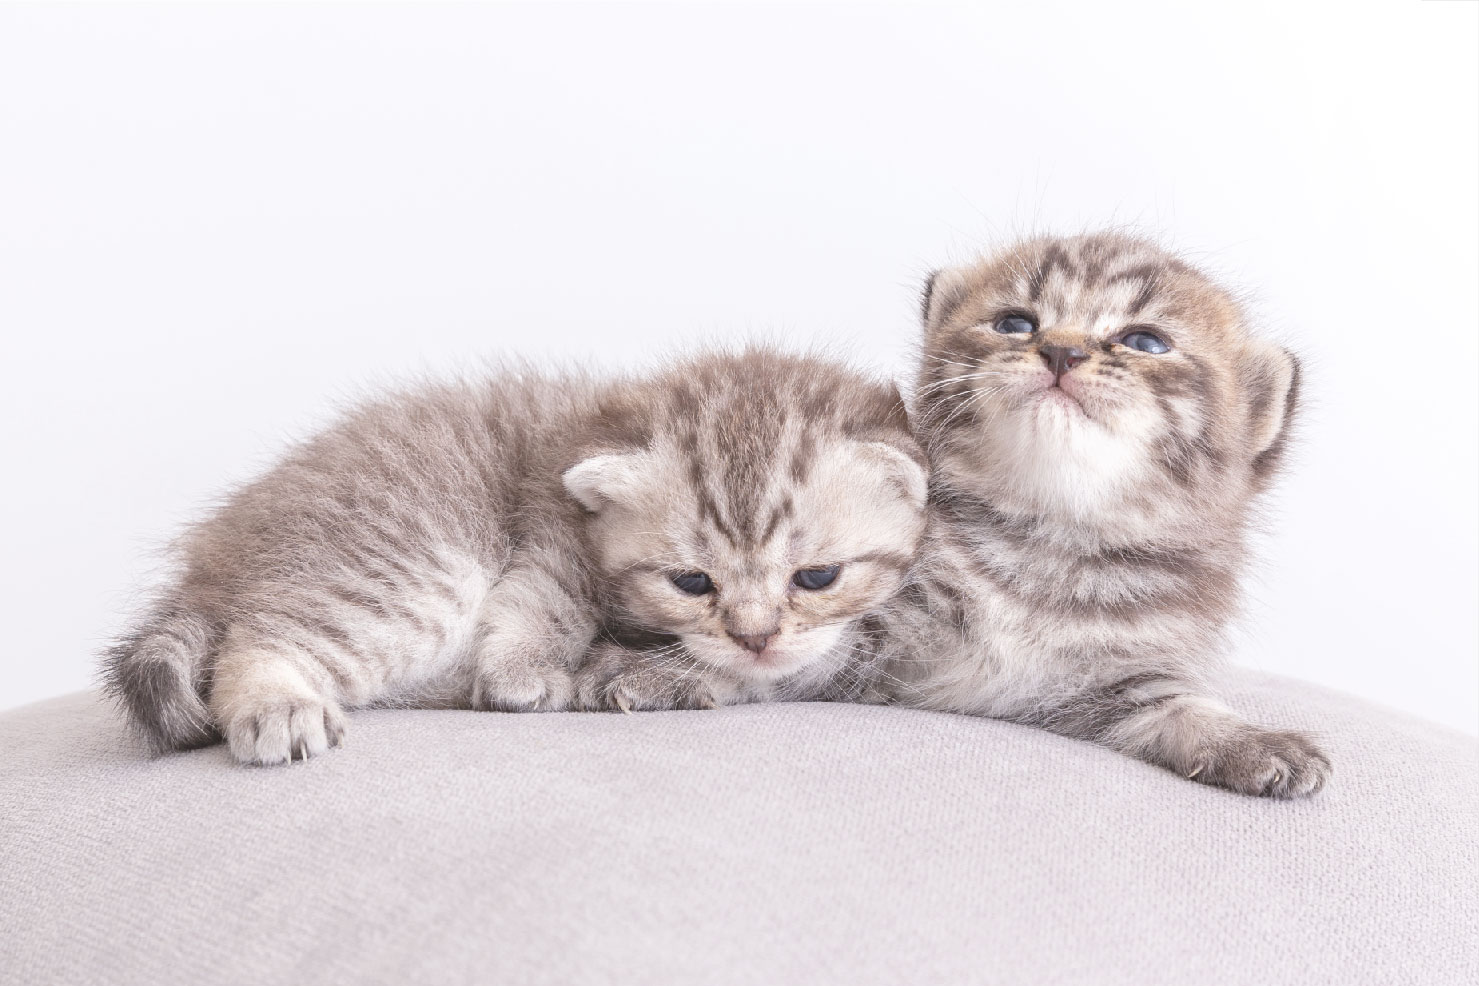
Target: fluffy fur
<point x="1088" y="520"/>
<point x="470" y="544"/>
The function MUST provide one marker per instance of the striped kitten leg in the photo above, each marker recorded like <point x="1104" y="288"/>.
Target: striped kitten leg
<point x="532" y="634"/>
<point x="1172" y="724"/>
<point x="273" y="702"/>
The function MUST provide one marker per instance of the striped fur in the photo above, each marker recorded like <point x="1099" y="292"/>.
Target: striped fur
<point x="1086" y="539"/>
<point x="468" y="544"/>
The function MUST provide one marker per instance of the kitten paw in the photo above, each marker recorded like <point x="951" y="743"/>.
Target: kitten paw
<point x="642" y="689"/>
<point x="522" y="687"/>
<point x="283" y="730"/>
<point x="1267" y="763"/>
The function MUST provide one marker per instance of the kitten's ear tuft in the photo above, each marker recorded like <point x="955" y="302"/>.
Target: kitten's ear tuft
<point x="902" y="471"/>
<point x="944" y="290"/>
<point x="602" y="480"/>
<point x="1271" y="382"/>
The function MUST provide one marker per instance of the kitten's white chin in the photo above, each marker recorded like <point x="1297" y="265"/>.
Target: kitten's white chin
<point x="790" y="653"/>
<point x="1052" y="452"/>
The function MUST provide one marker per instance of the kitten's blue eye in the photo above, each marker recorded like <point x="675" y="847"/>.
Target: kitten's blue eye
<point x="1015" y="324"/>
<point x="1146" y="342"/>
<point x="693" y="583"/>
<point x="816" y="578"/>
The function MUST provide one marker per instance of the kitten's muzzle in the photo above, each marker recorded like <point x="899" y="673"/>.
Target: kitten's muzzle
<point x="753" y="642"/>
<point x="1061" y="359"/>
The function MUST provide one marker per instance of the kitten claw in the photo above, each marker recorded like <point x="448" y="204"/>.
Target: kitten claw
<point x="283" y="730"/>
<point x="621" y="700"/>
<point x="1268" y="763"/>
<point x="1193" y="775"/>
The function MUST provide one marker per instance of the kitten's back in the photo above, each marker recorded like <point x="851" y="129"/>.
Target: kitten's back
<point x="402" y="498"/>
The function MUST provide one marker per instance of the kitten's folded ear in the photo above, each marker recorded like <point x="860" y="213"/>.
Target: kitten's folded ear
<point x="603" y="479"/>
<point x="1271" y="382"/>
<point x="944" y="290"/>
<point x="900" y="471"/>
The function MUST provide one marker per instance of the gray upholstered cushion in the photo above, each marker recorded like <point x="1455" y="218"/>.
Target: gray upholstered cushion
<point x="768" y="844"/>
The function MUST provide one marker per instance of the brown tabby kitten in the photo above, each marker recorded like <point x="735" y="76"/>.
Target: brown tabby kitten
<point x="1099" y="421"/>
<point x="466" y="545"/>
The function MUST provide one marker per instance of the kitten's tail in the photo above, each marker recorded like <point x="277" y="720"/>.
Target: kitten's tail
<point x="157" y="675"/>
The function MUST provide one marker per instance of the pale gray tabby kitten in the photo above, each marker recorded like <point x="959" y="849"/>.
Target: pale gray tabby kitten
<point x="1099" y="422"/>
<point x="467" y="545"/>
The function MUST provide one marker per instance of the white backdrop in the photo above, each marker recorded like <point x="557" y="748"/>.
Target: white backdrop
<point x="215" y="222"/>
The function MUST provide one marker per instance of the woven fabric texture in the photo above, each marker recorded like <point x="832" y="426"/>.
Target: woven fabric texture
<point x="766" y="844"/>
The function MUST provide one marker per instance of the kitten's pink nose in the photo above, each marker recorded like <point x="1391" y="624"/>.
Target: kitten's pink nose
<point x="752" y="642"/>
<point x="1061" y="359"/>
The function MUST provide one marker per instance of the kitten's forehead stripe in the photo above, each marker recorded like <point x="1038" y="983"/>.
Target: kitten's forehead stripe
<point x="746" y="446"/>
<point x="782" y="512"/>
<point x="801" y="458"/>
<point x="1065" y="276"/>
<point x="1054" y="259"/>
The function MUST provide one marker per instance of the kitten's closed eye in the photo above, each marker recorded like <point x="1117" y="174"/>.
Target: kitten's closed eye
<point x="816" y="578"/>
<point x="693" y="583"/>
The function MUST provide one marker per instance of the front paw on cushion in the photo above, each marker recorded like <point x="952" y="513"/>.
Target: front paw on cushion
<point x="1265" y="762"/>
<point x="637" y="690"/>
<point x="283" y="730"/>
